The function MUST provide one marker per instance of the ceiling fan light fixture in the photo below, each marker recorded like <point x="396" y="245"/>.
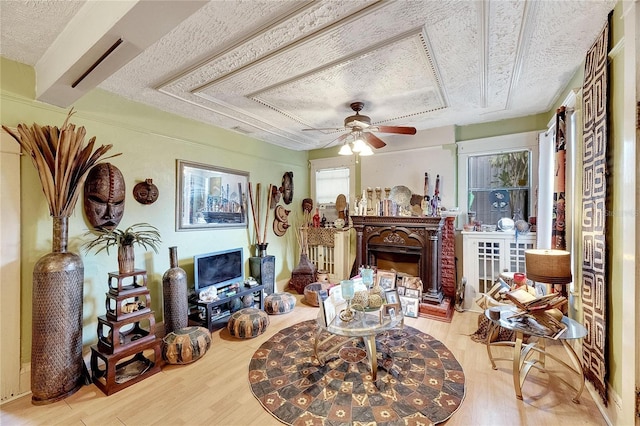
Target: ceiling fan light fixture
<point x="366" y="151"/>
<point x="345" y="150"/>
<point x="359" y="145"/>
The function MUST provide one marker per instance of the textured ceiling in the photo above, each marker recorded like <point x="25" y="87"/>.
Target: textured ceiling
<point x="272" y="68"/>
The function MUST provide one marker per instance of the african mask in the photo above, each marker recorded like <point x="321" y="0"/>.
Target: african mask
<point x="104" y="193"/>
<point x="146" y="192"/>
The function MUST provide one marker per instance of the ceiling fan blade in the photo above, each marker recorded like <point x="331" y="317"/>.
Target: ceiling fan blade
<point x="325" y="129"/>
<point x="397" y="129"/>
<point x="358" y="123"/>
<point x="338" y="139"/>
<point x="373" y="140"/>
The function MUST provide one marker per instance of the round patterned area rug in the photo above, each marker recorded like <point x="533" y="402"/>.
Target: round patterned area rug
<point x="419" y="380"/>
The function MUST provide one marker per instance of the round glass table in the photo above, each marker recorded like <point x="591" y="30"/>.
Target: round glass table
<point x="511" y="318"/>
<point x="365" y="326"/>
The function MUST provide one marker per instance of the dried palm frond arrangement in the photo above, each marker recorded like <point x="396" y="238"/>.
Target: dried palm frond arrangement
<point x="62" y="160"/>
<point x="302" y="231"/>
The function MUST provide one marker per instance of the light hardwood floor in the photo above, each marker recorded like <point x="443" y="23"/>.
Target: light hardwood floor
<point x="215" y="389"/>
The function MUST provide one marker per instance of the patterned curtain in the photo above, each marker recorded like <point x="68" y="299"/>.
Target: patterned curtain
<point x="558" y="233"/>
<point x="594" y="185"/>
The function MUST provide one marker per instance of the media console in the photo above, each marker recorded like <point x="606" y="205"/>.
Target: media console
<point x="215" y="314"/>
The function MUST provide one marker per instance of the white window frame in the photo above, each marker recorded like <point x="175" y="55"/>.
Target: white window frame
<point x="495" y="145"/>
<point x="333" y="163"/>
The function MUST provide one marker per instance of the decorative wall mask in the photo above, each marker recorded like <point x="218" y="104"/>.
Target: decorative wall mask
<point x="146" y="192"/>
<point x="307" y="205"/>
<point x="104" y="193"/>
<point x="287" y="187"/>
<point x="275" y="197"/>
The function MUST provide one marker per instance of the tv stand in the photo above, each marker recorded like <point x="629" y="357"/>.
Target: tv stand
<point x="212" y="319"/>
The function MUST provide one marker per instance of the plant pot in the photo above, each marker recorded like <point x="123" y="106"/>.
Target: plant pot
<point x="126" y="259"/>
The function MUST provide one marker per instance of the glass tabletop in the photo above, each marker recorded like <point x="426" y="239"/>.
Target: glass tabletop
<point x="574" y="330"/>
<point x="365" y="324"/>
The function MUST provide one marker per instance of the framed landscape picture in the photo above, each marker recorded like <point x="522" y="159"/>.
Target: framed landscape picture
<point x="386" y="279"/>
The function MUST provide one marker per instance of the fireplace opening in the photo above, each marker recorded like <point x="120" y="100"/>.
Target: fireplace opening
<point x="389" y="259"/>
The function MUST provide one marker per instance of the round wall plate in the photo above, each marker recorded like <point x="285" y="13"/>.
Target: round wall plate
<point x="506" y="224"/>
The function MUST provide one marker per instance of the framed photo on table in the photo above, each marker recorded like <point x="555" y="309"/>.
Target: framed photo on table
<point x="391" y="296"/>
<point x="409" y="306"/>
<point x="390" y="310"/>
<point x="412" y="292"/>
<point x="386" y="279"/>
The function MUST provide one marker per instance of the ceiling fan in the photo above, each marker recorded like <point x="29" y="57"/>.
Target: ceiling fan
<point x="358" y="125"/>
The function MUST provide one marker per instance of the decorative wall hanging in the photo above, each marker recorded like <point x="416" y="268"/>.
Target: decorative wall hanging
<point x="281" y="221"/>
<point x="146" y="192"/>
<point x="558" y="232"/>
<point x="594" y="214"/>
<point x="62" y="160"/>
<point x="210" y="197"/>
<point x="275" y="196"/>
<point x="287" y="187"/>
<point x="104" y="194"/>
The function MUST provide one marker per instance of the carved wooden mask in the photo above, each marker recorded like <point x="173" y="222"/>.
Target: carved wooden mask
<point x="104" y="193"/>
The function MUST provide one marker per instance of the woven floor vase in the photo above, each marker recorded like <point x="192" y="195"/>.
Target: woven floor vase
<point x="174" y="292"/>
<point x="57" y="367"/>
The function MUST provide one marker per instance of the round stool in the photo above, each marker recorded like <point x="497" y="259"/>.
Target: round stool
<point x="248" y="323"/>
<point x="311" y="292"/>
<point x="279" y="303"/>
<point x="185" y="345"/>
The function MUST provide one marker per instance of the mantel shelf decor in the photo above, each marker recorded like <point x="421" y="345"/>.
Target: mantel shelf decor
<point x="63" y="161"/>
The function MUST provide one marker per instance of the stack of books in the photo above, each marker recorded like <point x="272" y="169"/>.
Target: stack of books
<point x="541" y="314"/>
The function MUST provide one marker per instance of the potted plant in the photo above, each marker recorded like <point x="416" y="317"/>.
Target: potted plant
<point x="142" y="234"/>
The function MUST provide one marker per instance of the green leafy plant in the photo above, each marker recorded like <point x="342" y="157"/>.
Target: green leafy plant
<point x="142" y="234"/>
<point x="511" y="169"/>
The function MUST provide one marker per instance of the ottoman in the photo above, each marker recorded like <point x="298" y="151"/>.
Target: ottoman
<point x="248" y="323"/>
<point x="279" y="303"/>
<point x="185" y="345"/>
<point x="311" y="292"/>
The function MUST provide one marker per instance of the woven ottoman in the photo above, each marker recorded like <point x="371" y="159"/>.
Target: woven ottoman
<point x="248" y="323"/>
<point x="185" y="345"/>
<point x="311" y="292"/>
<point x="279" y="303"/>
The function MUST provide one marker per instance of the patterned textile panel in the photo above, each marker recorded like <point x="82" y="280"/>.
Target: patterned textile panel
<point x="594" y="213"/>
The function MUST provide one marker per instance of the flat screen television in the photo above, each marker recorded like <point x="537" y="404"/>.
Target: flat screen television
<point x="219" y="269"/>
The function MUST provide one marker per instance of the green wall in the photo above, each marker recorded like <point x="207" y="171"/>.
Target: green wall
<point x="150" y="142"/>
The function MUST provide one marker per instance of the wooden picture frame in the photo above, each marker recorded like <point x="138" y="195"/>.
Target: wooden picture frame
<point x="412" y="292"/>
<point x="390" y="310"/>
<point x="391" y="296"/>
<point x="401" y="291"/>
<point x="386" y="279"/>
<point x="412" y="282"/>
<point x="410" y="306"/>
<point x="210" y="197"/>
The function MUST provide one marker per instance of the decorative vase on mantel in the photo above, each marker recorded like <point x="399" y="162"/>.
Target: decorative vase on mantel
<point x="174" y="292"/>
<point x="57" y="366"/>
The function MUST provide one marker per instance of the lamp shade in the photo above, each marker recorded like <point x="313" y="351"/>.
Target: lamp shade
<point x="548" y="266"/>
<point x="345" y="150"/>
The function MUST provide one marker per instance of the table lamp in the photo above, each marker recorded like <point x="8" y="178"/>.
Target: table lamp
<point x="548" y="266"/>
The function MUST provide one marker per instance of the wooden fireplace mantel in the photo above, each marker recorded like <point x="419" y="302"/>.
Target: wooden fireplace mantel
<point x="420" y="236"/>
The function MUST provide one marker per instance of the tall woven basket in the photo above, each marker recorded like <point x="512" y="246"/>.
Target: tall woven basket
<point x="56" y="349"/>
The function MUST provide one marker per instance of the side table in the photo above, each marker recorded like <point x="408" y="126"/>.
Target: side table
<point x="523" y="359"/>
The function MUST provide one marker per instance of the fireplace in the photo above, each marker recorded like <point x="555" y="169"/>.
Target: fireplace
<point x="406" y="244"/>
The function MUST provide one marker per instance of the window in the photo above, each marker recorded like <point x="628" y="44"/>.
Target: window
<point x="497" y="176"/>
<point x="499" y="186"/>
<point x="330" y="177"/>
<point x="330" y="183"/>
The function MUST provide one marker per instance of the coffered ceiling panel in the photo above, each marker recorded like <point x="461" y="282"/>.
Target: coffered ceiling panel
<point x="272" y="68"/>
